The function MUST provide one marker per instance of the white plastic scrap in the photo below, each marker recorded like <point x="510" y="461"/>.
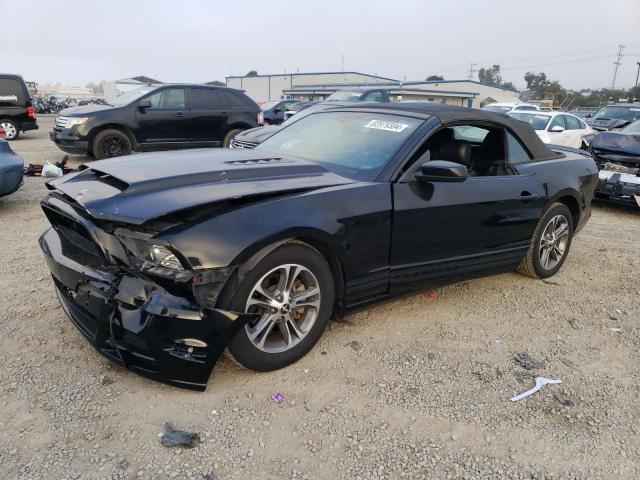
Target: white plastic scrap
<point x="50" y="170"/>
<point x="540" y="381"/>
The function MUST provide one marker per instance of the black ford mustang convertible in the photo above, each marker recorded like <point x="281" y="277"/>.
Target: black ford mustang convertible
<point x="164" y="260"/>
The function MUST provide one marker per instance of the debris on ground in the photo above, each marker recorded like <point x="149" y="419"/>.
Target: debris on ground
<point x="569" y="364"/>
<point x="178" y="438"/>
<point x="433" y="295"/>
<point x="540" y="382"/>
<point x="527" y="362"/>
<point x="277" y="397"/>
<point x="615" y="329"/>
<point x="354" y="344"/>
<point x="564" y="401"/>
<point x="574" y="324"/>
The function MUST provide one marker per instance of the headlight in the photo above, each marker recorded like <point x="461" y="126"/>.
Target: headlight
<point x="163" y="257"/>
<point x="72" y="121"/>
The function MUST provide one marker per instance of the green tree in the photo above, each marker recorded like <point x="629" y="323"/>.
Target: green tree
<point x="252" y="73"/>
<point x="491" y="75"/>
<point x="431" y="78"/>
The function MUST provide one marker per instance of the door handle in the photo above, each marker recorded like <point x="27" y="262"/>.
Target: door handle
<point x="180" y="114"/>
<point x="527" y="197"/>
<point x="223" y="114"/>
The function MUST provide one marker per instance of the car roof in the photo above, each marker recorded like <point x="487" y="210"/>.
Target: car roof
<point x="452" y="113"/>
<point x="509" y="104"/>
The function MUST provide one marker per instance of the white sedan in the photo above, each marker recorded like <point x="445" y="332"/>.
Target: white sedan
<point x="557" y="128"/>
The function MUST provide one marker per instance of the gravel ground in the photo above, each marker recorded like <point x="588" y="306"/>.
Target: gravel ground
<point x="417" y="387"/>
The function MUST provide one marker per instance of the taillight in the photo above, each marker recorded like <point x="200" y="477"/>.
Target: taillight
<point x="261" y="118"/>
<point x="2" y="133"/>
<point x="31" y="112"/>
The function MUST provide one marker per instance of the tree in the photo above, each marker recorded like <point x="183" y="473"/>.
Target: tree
<point x="431" y="78"/>
<point x="252" y="73"/>
<point x="490" y="76"/>
<point x="537" y="83"/>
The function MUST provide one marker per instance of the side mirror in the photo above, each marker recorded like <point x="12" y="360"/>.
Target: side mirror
<point x="277" y="110"/>
<point x="589" y="115"/>
<point x="441" y="171"/>
<point x="557" y="129"/>
<point x="143" y="105"/>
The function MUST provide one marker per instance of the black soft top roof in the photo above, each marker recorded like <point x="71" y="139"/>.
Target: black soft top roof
<point x="451" y="113"/>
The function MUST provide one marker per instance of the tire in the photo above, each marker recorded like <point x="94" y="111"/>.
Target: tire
<point x="542" y="261"/>
<point x="229" y="136"/>
<point x="111" y="143"/>
<point x="12" y="131"/>
<point x="312" y="271"/>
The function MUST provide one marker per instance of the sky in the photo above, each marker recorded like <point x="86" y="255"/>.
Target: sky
<point x="79" y="41"/>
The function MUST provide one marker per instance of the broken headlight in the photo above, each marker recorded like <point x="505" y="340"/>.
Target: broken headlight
<point x="163" y="257"/>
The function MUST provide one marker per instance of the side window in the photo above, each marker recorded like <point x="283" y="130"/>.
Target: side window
<point x="572" y="122"/>
<point x="517" y="153"/>
<point x="204" y="98"/>
<point x="469" y="133"/>
<point x="233" y="100"/>
<point x="168" y="98"/>
<point x="557" y="121"/>
<point x="583" y="125"/>
<point x="373" y="97"/>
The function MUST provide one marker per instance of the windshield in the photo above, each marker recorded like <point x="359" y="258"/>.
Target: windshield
<point x="128" y="97"/>
<point x="496" y="108"/>
<point x="344" y="96"/>
<point x="538" y="122"/>
<point x="617" y="113"/>
<point x="353" y="144"/>
<point x="268" y="106"/>
<point x="632" y="129"/>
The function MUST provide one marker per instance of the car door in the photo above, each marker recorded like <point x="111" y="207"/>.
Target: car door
<point x="574" y="131"/>
<point x="209" y="112"/>
<point x="559" y="137"/>
<point x="166" y="120"/>
<point x="484" y="222"/>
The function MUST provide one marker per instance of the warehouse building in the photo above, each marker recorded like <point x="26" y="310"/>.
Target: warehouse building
<point x="317" y="86"/>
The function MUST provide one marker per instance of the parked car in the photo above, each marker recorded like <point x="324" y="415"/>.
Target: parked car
<point x="156" y="118"/>
<point x="380" y="95"/>
<point x="556" y="127"/>
<point x="273" y="112"/>
<point x="614" y="117"/>
<point x="16" y="111"/>
<point x="505" y="107"/>
<point x="617" y="155"/>
<point x="11" y="167"/>
<point x="164" y="262"/>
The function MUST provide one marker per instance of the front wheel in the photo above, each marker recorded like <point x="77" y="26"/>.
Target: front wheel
<point x="292" y="289"/>
<point x="11" y="130"/>
<point x="550" y="243"/>
<point x="111" y="143"/>
<point x="229" y="136"/>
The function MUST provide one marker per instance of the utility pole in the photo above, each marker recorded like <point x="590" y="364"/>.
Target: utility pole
<point x="617" y="63"/>
<point x="472" y="70"/>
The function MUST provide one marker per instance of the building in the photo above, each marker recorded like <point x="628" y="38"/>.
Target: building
<point x="319" y="85"/>
<point x="61" y="91"/>
<point x="265" y="88"/>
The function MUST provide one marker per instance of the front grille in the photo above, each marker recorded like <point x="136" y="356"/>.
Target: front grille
<point x="242" y="144"/>
<point x="76" y="242"/>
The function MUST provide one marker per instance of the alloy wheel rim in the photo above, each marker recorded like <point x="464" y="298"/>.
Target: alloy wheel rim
<point x="9" y="129"/>
<point x="112" y="146"/>
<point x="553" y="242"/>
<point x="288" y="301"/>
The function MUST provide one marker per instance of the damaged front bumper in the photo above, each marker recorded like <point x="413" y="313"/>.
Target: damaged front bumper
<point x="619" y="184"/>
<point x="137" y="323"/>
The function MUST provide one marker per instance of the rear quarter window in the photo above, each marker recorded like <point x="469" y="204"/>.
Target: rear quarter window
<point x="517" y="153"/>
<point x="206" y="98"/>
<point x="11" y="92"/>
<point x="234" y="100"/>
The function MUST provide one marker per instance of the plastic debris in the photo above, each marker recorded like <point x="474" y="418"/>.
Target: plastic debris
<point x="433" y="295"/>
<point x="574" y="323"/>
<point x="277" y="397"/>
<point x="50" y="170"/>
<point x="540" y="381"/>
<point x="178" y="438"/>
<point x="527" y="362"/>
<point x="615" y="329"/>
<point x="354" y="344"/>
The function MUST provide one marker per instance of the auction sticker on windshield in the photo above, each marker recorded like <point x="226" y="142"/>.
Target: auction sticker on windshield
<point x="385" y="125"/>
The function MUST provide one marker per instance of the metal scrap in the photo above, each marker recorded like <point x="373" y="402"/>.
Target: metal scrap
<point x="527" y="362"/>
<point x="178" y="438"/>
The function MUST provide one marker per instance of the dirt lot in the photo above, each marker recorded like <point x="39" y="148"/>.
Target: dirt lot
<point x="417" y="387"/>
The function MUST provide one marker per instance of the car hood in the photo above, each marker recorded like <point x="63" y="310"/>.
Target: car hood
<point x="616" y="142"/>
<point x="83" y="110"/>
<point x="607" y="123"/>
<point x="258" y="134"/>
<point x="138" y="188"/>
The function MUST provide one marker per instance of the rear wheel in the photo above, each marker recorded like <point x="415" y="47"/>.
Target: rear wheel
<point x="229" y="136"/>
<point x="11" y="130"/>
<point x="550" y="243"/>
<point x="292" y="289"/>
<point x="111" y="143"/>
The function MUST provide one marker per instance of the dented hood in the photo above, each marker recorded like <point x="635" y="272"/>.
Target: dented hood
<point x="139" y="188"/>
<point x="617" y="142"/>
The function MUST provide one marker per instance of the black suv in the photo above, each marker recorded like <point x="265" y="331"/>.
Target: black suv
<point x="16" y="111"/>
<point x="157" y="117"/>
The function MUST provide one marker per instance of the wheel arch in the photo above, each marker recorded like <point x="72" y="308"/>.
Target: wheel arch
<point x="115" y="126"/>
<point x="570" y="199"/>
